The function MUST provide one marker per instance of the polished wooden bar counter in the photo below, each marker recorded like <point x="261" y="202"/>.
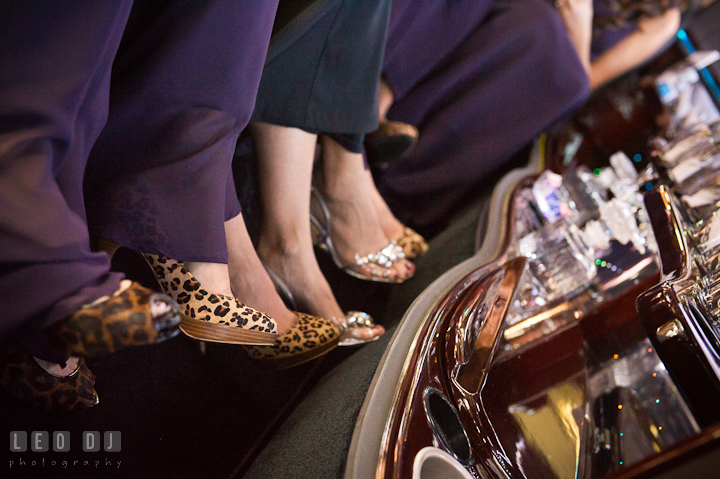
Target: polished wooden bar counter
<point x="580" y="339"/>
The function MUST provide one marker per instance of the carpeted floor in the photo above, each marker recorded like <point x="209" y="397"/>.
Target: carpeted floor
<point x="181" y="413"/>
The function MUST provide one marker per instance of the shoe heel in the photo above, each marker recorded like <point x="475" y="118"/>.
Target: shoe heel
<point x="220" y="333"/>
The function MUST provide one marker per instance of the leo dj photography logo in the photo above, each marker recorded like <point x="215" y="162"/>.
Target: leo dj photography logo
<point x="60" y="441"/>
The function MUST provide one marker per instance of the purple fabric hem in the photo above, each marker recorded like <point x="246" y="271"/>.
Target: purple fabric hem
<point x="179" y="256"/>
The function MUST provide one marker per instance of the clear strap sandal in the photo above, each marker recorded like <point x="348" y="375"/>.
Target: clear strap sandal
<point x="373" y="267"/>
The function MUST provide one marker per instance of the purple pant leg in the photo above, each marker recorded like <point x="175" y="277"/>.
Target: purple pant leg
<point x="183" y="87"/>
<point x="422" y="33"/>
<point x="513" y="77"/>
<point x="55" y="59"/>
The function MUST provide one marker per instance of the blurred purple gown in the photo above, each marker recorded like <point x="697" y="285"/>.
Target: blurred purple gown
<point x="480" y="79"/>
<point x="158" y="91"/>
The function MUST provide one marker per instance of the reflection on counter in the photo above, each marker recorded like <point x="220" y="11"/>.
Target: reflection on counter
<point x="614" y="413"/>
<point x="551" y="425"/>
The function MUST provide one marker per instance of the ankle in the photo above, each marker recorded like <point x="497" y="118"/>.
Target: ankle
<point x="340" y="188"/>
<point x="282" y="245"/>
<point x="392" y="228"/>
<point x="386" y="99"/>
<point x="341" y="168"/>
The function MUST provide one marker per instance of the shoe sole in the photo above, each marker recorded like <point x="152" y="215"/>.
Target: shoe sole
<point x="297" y="359"/>
<point x="347" y="269"/>
<point x="221" y="333"/>
<point x="357" y="342"/>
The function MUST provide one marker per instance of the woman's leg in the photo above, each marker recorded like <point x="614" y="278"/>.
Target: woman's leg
<point x="184" y="85"/>
<point x="285" y="167"/>
<point x="422" y="34"/>
<point x="248" y="278"/>
<point x="390" y="225"/>
<point x="54" y="94"/>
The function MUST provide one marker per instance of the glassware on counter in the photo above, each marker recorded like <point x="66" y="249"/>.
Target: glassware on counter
<point x="688" y="144"/>
<point x="560" y="261"/>
<point x="567" y="225"/>
<point x="552" y="198"/>
<point x="619" y="218"/>
<point x="684" y="95"/>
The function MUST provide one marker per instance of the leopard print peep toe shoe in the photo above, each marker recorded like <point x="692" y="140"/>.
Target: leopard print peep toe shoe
<point x="209" y="316"/>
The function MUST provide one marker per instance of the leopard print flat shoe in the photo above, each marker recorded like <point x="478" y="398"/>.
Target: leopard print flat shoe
<point x="412" y="243"/>
<point x="116" y="322"/>
<point x="23" y="378"/>
<point x="309" y="338"/>
<point x="210" y="316"/>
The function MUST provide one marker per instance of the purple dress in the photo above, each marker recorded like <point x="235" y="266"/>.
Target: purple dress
<point x="480" y="80"/>
<point x="158" y="94"/>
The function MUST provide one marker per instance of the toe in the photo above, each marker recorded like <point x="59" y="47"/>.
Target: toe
<point x="366" y="333"/>
<point x="404" y="269"/>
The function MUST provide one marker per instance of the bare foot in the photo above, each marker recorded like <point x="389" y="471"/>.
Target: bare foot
<point x="390" y="225"/>
<point x="355" y="226"/>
